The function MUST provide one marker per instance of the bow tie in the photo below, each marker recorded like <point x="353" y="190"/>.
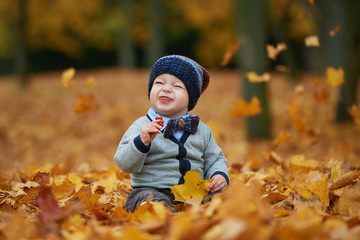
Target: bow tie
<point x="188" y="124"/>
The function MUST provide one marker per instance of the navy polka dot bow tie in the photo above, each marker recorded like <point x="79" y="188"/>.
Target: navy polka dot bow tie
<point x="188" y="124"/>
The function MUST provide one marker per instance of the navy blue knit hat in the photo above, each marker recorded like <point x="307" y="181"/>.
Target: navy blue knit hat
<point x="195" y="77"/>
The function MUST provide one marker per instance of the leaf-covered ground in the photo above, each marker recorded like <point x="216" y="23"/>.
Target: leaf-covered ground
<point x="58" y="179"/>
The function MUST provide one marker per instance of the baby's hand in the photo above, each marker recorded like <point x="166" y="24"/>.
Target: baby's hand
<point x="149" y="131"/>
<point x="219" y="183"/>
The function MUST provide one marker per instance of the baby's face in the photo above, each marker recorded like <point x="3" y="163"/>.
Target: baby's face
<point x="169" y="96"/>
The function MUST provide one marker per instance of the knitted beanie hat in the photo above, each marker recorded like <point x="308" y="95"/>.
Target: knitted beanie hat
<point x="195" y="77"/>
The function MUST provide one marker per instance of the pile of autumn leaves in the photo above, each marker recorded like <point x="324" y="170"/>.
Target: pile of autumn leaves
<point x="301" y="199"/>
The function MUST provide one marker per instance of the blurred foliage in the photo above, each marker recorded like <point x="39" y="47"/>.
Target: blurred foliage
<point x="74" y="31"/>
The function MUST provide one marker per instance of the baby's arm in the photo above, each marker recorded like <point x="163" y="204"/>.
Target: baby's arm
<point x="219" y="183"/>
<point x="149" y="131"/>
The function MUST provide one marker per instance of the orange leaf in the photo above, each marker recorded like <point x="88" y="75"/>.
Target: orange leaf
<point x="254" y="78"/>
<point x="312" y="41"/>
<point x="273" y="52"/>
<point x="246" y="109"/>
<point x="67" y="76"/>
<point x="230" y="51"/>
<point x="193" y="187"/>
<point x="85" y="103"/>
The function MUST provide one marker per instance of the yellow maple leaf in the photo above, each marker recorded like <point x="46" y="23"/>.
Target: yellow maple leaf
<point x="255" y="78"/>
<point x="246" y="109"/>
<point x="334" y="77"/>
<point x="76" y="181"/>
<point x="321" y="189"/>
<point x="67" y="76"/>
<point x="193" y="187"/>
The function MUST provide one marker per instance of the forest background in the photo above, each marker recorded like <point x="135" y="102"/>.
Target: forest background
<point x="74" y="77"/>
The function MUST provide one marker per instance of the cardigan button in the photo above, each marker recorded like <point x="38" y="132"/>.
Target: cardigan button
<point x="181" y="144"/>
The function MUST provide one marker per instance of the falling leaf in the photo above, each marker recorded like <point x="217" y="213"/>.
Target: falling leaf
<point x="193" y="187"/>
<point x="273" y="52"/>
<point x="312" y="41"/>
<point x="246" y="109"/>
<point x="85" y="103"/>
<point x="230" y="51"/>
<point x="67" y="76"/>
<point x="334" y="77"/>
<point x="335" y="31"/>
<point x="255" y="78"/>
<point x="90" y="82"/>
<point x="312" y="2"/>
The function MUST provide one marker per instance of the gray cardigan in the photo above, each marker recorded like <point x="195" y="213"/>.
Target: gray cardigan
<point x="165" y="161"/>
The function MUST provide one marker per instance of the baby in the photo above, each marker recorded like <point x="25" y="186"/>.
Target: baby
<point x="159" y="148"/>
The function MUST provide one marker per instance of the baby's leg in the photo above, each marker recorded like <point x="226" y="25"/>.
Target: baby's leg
<point x="140" y="195"/>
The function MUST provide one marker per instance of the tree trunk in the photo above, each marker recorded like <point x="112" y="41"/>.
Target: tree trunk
<point x="21" y="62"/>
<point x="252" y="55"/>
<point x="126" y="52"/>
<point x="156" y="42"/>
<point x="351" y="29"/>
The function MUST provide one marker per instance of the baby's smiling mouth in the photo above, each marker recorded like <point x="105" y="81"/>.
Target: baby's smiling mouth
<point x="165" y="99"/>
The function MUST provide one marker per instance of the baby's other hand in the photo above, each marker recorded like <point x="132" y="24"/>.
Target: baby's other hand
<point x="219" y="183"/>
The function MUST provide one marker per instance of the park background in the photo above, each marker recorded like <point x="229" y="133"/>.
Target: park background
<point x="74" y="77"/>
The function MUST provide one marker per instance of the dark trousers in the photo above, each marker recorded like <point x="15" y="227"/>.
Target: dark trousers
<point x="140" y="195"/>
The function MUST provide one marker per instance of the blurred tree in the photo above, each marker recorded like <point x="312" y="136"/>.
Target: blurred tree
<point x="21" y="62"/>
<point x="156" y="48"/>
<point x="350" y="35"/>
<point x="126" y="51"/>
<point x="249" y="23"/>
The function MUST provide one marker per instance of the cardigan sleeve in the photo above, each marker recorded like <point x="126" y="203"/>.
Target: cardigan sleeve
<point x="131" y="152"/>
<point x="214" y="160"/>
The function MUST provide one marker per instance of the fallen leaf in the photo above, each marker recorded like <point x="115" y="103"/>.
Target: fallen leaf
<point x="255" y="78"/>
<point x="298" y="162"/>
<point x="334" y="77"/>
<point x="90" y="81"/>
<point x="320" y="188"/>
<point x="85" y="103"/>
<point x="344" y="180"/>
<point x="312" y="41"/>
<point x="193" y="187"/>
<point x="246" y="109"/>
